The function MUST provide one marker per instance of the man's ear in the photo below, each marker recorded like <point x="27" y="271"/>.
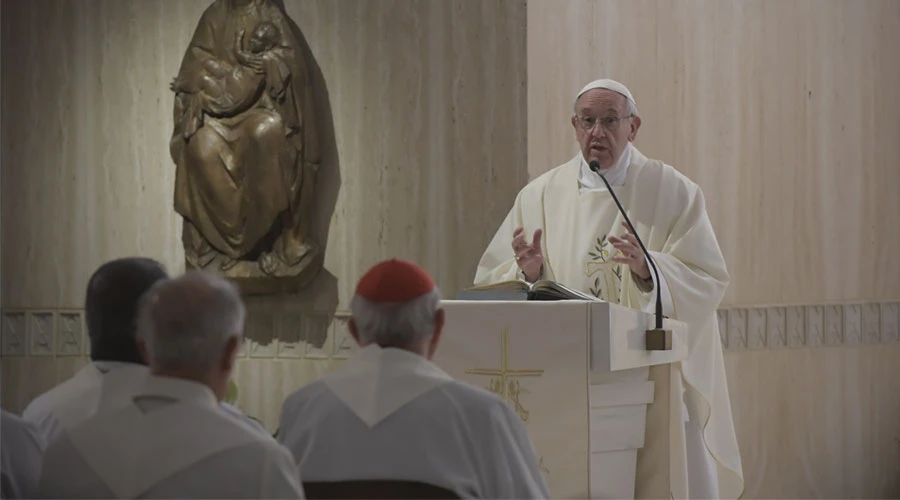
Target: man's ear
<point x="439" y="317"/>
<point x="230" y="353"/>
<point x="635" y="125"/>
<point x="351" y="325"/>
<point x="142" y="350"/>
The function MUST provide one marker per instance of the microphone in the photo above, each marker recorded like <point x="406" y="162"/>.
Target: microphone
<point x="658" y="339"/>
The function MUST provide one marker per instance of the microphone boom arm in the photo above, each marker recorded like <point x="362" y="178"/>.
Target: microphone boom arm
<point x="658" y="338"/>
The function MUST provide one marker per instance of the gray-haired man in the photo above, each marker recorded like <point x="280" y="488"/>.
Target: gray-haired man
<point x="390" y="414"/>
<point x="170" y="438"/>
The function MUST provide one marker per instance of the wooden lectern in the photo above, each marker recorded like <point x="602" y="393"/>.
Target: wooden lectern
<point x="595" y="401"/>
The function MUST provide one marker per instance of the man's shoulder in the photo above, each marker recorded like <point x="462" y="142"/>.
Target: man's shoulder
<point x="474" y="400"/>
<point x="312" y="389"/>
<point x="16" y="429"/>
<point x="468" y="399"/>
<point x="258" y="444"/>
<point x="243" y="419"/>
<point x="306" y="394"/>
<point x="222" y="420"/>
<point x="41" y="406"/>
<point x="68" y="392"/>
<point x="660" y="171"/>
<point x="540" y="182"/>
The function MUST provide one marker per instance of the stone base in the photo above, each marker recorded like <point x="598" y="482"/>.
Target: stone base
<point x="618" y="416"/>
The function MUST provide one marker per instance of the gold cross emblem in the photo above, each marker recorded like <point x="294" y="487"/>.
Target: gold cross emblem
<point x="505" y="381"/>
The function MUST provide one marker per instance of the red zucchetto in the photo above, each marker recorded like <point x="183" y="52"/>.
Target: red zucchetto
<point x="394" y="281"/>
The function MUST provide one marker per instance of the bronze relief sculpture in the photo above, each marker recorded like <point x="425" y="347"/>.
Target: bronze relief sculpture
<point x="246" y="148"/>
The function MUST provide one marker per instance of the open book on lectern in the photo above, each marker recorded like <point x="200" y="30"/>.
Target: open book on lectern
<point x="522" y="290"/>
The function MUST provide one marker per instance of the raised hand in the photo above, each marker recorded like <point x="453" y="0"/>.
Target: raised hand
<point x="632" y="255"/>
<point x="529" y="257"/>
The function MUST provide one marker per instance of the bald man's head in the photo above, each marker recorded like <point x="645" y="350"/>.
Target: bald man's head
<point x="191" y="326"/>
<point x="111" y="304"/>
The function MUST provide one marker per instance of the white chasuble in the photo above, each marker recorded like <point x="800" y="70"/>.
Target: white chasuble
<point x="170" y="439"/>
<point x="392" y="414"/>
<point x="97" y="385"/>
<point x="74" y="400"/>
<point x="669" y="214"/>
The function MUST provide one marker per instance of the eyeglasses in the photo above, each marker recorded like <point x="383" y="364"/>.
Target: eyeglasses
<point x="608" y="124"/>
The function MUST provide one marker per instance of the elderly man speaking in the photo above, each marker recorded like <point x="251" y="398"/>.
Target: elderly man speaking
<point x="565" y="227"/>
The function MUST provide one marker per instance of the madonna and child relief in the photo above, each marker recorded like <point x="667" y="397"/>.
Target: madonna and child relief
<point x="246" y="147"/>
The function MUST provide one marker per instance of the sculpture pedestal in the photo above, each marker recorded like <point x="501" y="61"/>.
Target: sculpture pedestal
<point x="251" y="280"/>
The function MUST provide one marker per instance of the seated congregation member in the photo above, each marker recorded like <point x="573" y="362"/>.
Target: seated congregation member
<point x="171" y="438"/>
<point x="21" y="447"/>
<point x="390" y="414"/>
<point x="111" y="302"/>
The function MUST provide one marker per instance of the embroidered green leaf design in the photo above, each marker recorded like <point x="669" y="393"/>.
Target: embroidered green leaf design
<point x="597" y="283"/>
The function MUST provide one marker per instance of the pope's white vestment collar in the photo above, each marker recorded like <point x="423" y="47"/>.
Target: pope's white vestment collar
<point x="588" y="180"/>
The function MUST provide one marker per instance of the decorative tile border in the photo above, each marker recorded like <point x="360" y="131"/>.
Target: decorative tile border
<point x="42" y="333"/>
<point x="41" y="330"/>
<point x="70" y="337"/>
<point x="318" y="336"/>
<point x="62" y="332"/>
<point x="890" y="323"/>
<point x="853" y="324"/>
<point x="15" y="333"/>
<point x="737" y="329"/>
<point x="815" y="325"/>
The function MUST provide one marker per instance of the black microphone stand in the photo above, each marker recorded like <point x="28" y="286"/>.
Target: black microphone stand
<point x="658" y="339"/>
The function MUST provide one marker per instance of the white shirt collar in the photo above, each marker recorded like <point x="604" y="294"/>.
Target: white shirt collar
<point x="588" y="180"/>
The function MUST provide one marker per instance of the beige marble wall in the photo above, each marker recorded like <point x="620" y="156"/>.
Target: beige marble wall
<point x="784" y="112"/>
<point x="818" y="423"/>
